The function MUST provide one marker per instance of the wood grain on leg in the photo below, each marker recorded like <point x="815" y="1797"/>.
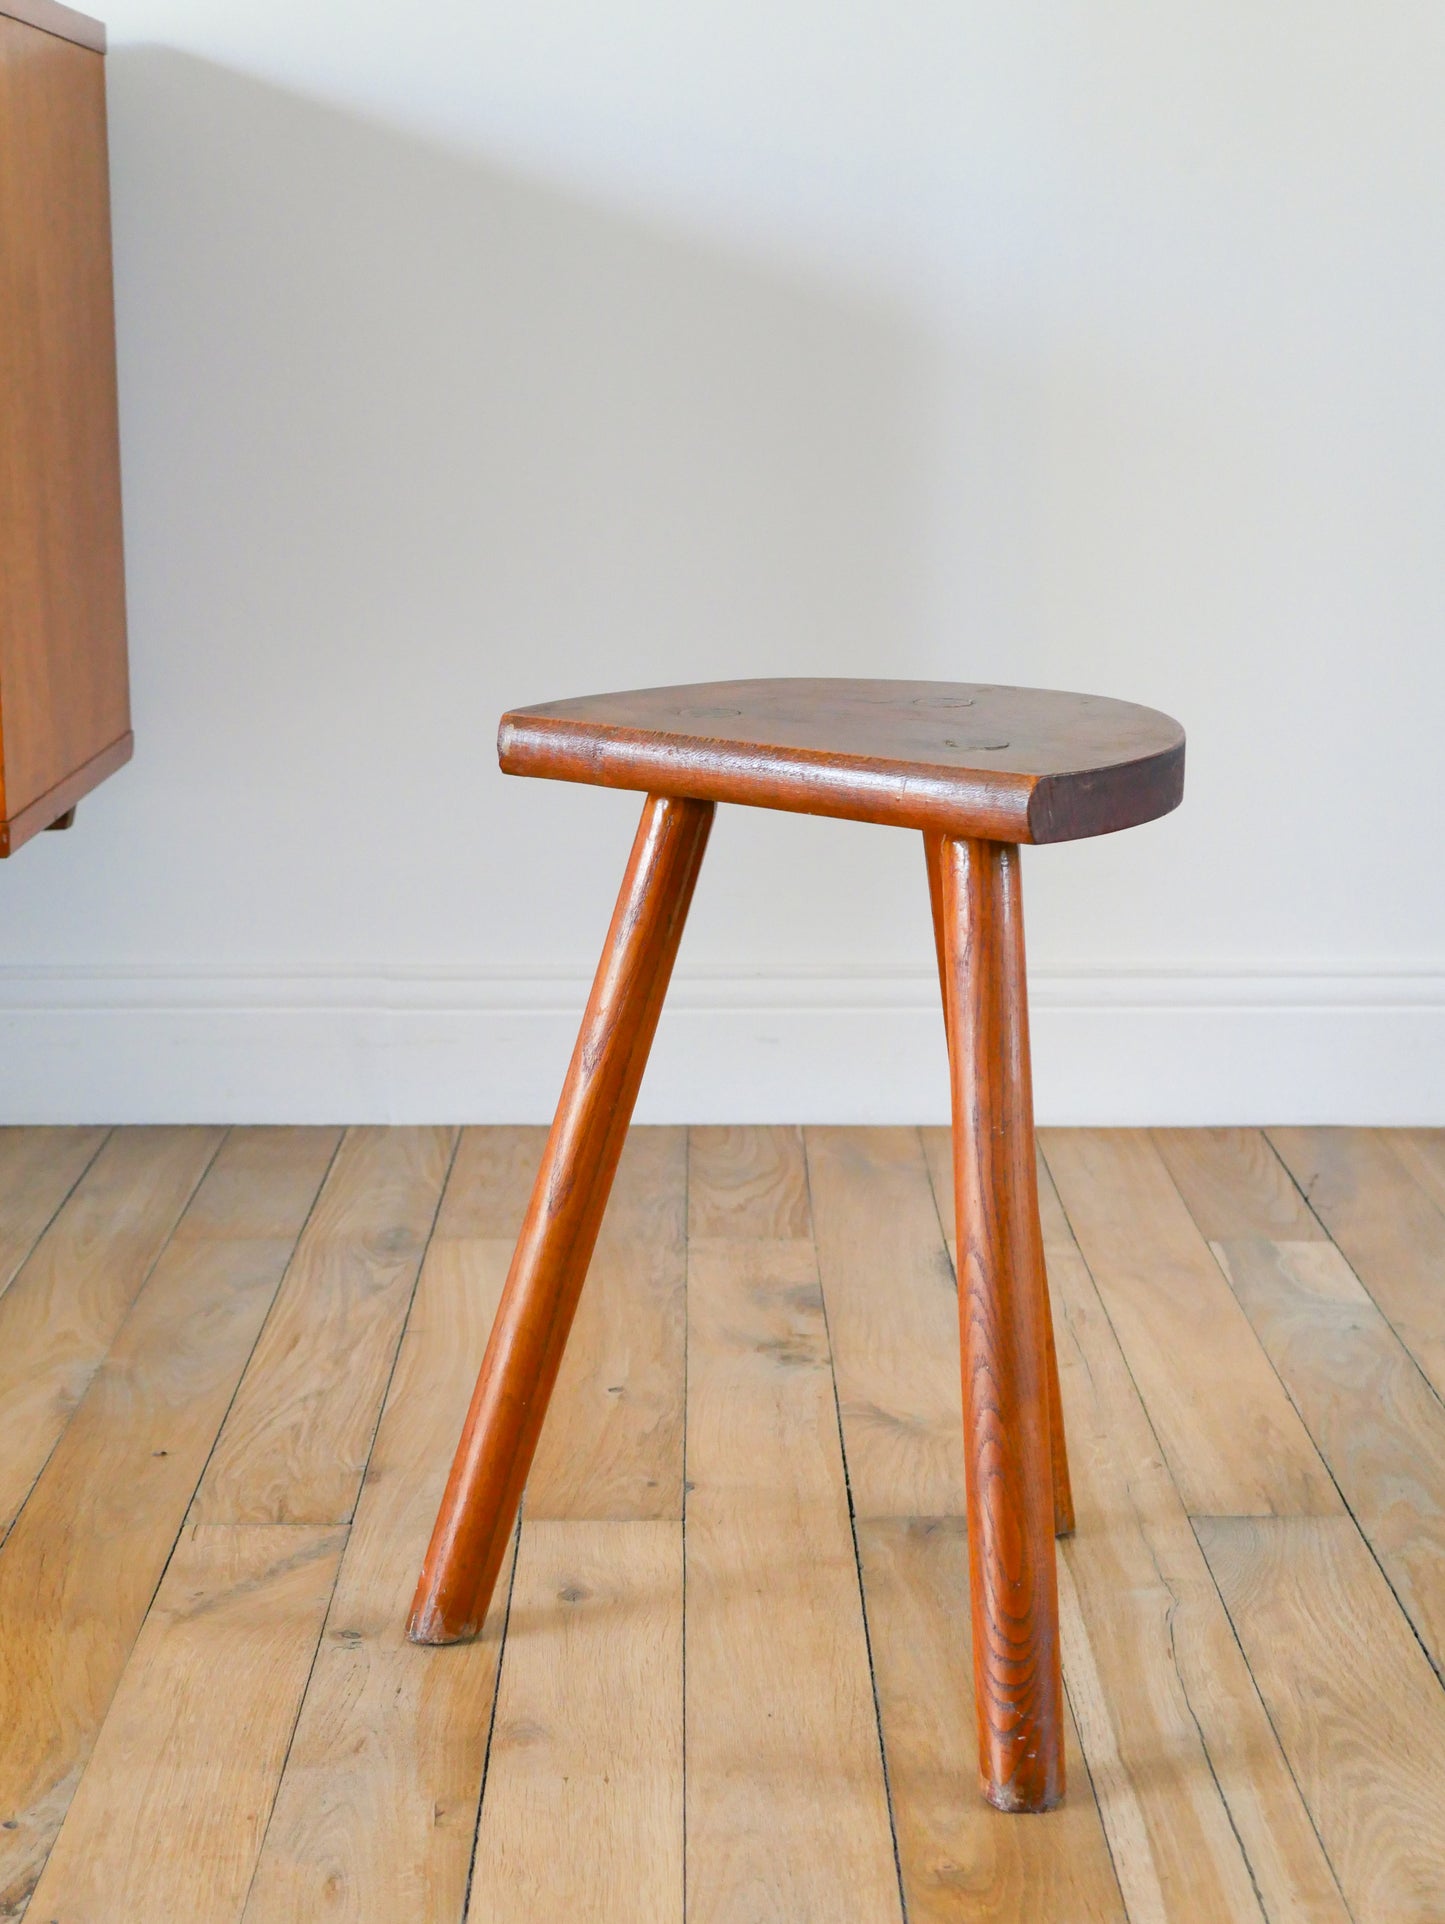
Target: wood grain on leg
<point x="1013" y="1583"/>
<point x="525" y="1351"/>
<point x="1058" y="1445"/>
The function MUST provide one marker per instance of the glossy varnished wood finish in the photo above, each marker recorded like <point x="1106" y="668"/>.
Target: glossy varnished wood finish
<point x="961" y="758"/>
<point x="550" y="1265"/>
<point x="1058" y="1445"/>
<point x="64" y="698"/>
<point x="1003" y="1316"/>
<point x="978" y="768"/>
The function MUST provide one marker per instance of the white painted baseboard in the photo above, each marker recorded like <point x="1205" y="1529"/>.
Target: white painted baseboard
<point x="150" y="1045"/>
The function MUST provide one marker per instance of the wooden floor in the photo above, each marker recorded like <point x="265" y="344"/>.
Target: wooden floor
<point x="727" y="1675"/>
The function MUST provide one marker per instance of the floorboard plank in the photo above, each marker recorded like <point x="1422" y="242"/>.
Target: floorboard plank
<point x="892" y="1318"/>
<point x="937" y="1143"/>
<point x="296" y="1440"/>
<point x="611" y="1446"/>
<point x="689" y="1713"/>
<point x="1360" y="1712"/>
<point x="378" y="1806"/>
<point x="168" y="1817"/>
<point x="60" y="1315"/>
<point x="1422" y="1151"/>
<point x="1230" y="1434"/>
<point x="1378" y="1423"/>
<point x="82" y="1563"/>
<point x="962" y="1861"/>
<point x="749" y="1183"/>
<point x="1386" y="1225"/>
<point x="1235" y="1185"/>
<point x="583" y="1812"/>
<point x="787" y="1814"/>
<point x="490" y="1184"/>
<point x="1197" y="1799"/>
<point x="38" y="1170"/>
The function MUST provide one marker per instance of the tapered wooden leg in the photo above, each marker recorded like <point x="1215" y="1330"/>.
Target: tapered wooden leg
<point x="1002" y="1301"/>
<point x="1058" y="1442"/>
<point x="524" y="1353"/>
<point x="1058" y="1445"/>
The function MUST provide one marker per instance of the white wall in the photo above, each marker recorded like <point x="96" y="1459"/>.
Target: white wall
<point x="472" y="355"/>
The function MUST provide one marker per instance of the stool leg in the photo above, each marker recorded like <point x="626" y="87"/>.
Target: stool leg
<point x="1058" y="1445"/>
<point x="524" y="1352"/>
<point x="1002" y="1299"/>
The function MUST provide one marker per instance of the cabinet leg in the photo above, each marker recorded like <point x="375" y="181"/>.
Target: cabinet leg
<point x="1003" y="1313"/>
<point x="524" y="1353"/>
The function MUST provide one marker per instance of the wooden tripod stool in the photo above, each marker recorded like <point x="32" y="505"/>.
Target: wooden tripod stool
<point x="978" y="770"/>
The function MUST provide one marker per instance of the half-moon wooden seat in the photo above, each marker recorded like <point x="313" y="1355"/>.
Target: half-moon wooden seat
<point x="978" y="769"/>
<point x="963" y="758"/>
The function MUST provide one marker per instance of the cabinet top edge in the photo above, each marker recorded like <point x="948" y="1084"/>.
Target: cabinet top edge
<point x="50" y="17"/>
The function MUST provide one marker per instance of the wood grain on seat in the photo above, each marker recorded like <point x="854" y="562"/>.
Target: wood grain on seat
<point x="961" y="758"/>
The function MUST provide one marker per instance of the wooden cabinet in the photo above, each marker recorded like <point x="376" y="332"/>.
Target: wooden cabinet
<point x="64" y="690"/>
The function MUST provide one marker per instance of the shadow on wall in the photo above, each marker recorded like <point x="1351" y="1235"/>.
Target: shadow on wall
<point x="408" y="440"/>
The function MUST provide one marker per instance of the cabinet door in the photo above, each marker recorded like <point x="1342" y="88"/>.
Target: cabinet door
<point x="64" y="699"/>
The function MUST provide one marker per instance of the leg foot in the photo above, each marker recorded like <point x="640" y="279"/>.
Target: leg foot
<point x="524" y="1353"/>
<point x="1003" y="1311"/>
